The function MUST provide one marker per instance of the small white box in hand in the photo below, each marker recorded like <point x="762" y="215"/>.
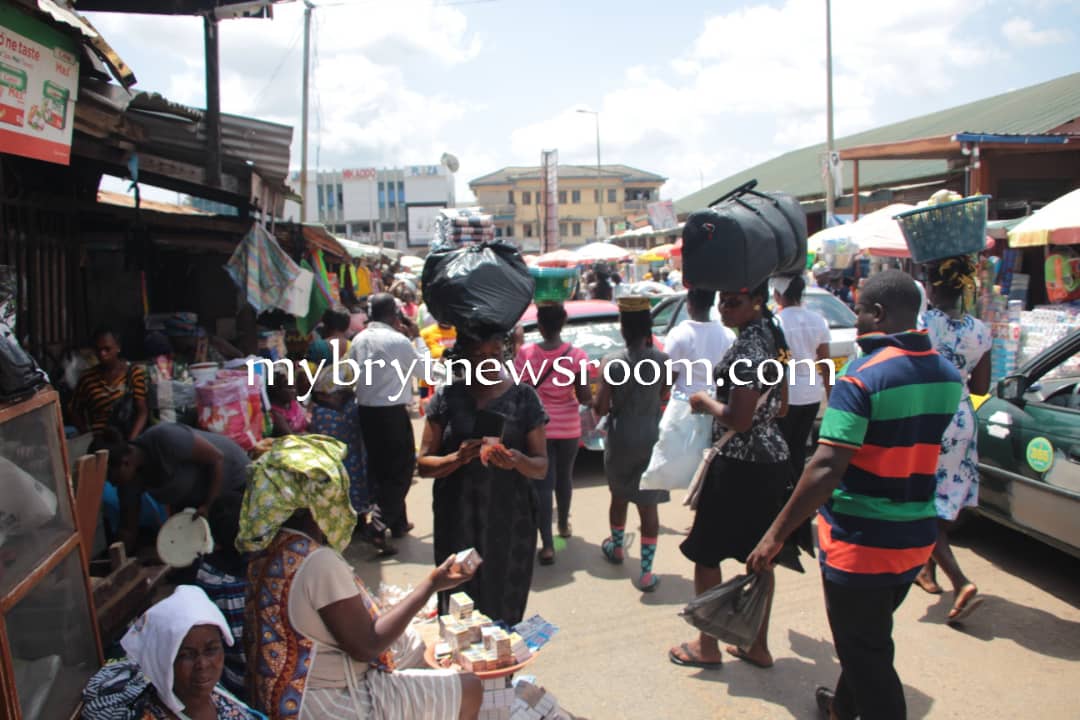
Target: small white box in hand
<point x="468" y="559"/>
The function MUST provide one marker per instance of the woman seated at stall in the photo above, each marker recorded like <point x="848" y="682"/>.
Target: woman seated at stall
<point x="179" y="466"/>
<point x="316" y="644"/>
<point x="176" y="653"/>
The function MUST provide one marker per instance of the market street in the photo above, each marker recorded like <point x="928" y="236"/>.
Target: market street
<point x="1019" y="651"/>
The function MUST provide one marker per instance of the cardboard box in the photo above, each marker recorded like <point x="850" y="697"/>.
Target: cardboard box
<point x="461" y="606"/>
<point x="468" y="559"/>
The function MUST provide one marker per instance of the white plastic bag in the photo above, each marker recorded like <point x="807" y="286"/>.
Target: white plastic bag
<point x="676" y="455"/>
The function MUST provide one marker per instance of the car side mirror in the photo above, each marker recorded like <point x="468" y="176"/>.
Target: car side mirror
<point x="1012" y="389"/>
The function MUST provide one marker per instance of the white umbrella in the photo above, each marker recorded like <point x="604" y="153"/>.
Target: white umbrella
<point x="602" y="252"/>
<point x="411" y="261"/>
<point x="876" y="233"/>
<point x="1056" y="224"/>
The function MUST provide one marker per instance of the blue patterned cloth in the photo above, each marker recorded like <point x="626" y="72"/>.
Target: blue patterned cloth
<point x="962" y="341"/>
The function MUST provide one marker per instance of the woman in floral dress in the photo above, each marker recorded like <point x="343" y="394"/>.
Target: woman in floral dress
<point x="965" y="342"/>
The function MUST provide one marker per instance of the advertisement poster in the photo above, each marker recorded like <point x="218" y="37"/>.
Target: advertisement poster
<point x="39" y="83"/>
<point x="662" y="215"/>
<point x="422" y="223"/>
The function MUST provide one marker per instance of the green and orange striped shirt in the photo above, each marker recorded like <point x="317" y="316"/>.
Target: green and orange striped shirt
<point x="892" y="406"/>
<point x="95" y="396"/>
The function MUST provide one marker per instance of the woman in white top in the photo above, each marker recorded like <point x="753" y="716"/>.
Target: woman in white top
<point x="697" y="344"/>
<point x="807" y="335"/>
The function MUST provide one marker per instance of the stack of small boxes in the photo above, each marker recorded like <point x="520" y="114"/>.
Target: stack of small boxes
<point x="477" y="645"/>
<point x="532" y="702"/>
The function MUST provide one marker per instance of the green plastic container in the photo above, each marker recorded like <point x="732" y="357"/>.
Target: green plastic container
<point x="554" y="284"/>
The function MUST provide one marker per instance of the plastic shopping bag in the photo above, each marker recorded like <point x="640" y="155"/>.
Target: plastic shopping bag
<point x="676" y="455"/>
<point x="731" y="612"/>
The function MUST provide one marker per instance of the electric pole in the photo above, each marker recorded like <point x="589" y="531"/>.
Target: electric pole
<point x="830" y="193"/>
<point x="308" y="7"/>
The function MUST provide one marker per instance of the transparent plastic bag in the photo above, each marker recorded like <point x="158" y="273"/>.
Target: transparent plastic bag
<point x="684" y="436"/>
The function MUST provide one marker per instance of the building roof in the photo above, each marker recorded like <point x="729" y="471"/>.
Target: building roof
<point x="1036" y="109"/>
<point x="517" y="172"/>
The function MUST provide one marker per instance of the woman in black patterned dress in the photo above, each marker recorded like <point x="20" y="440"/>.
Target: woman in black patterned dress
<point x="746" y="483"/>
<point x="492" y="507"/>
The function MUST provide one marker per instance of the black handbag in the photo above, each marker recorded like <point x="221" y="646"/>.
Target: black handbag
<point x="122" y="415"/>
<point x="20" y="375"/>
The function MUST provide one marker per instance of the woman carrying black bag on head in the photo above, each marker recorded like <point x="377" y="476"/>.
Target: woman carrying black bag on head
<point x="746" y="482"/>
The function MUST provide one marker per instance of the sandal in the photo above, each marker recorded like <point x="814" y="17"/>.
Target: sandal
<point x="546" y="556"/>
<point x="688" y="659"/>
<point x="966" y="602"/>
<point x="565" y="530"/>
<point x="612" y="552"/>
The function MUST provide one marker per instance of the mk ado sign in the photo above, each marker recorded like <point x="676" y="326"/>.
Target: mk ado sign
<point x="39" y="83"/>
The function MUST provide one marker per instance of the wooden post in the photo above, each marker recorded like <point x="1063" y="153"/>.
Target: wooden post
<point x="213" y="101"/>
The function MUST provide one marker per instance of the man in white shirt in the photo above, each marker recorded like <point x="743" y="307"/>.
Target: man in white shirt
<point x="698" y="342"/>
<point x="388" y="362"/>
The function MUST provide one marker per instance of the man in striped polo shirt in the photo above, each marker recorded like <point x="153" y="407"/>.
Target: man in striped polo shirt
<point x="873" y="477"/>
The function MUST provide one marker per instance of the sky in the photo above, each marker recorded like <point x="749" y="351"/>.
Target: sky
<point x="692" y="90"/>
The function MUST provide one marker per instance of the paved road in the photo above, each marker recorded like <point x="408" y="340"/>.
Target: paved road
<point x="1017" y="657"/>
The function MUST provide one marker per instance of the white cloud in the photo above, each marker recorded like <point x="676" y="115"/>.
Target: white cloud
<point x="1020" y="32"/>
<point x="752" y="85"/>
<point x="363" y="110"/>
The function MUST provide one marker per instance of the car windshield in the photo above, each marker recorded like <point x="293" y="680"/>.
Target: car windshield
<point x="835" y="312"/>
<point x="596" y="336"/>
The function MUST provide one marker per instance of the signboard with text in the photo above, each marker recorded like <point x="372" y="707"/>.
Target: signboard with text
<point x="39" y="84"/>
<point x="358" y="173"/>
<point x="549" y="160"/>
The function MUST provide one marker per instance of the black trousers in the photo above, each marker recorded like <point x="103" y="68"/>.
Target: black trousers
<point x="558" y="484"/>
<point x="861" y="620"/>
<point x="796" y="426"/>
<point x="391" y="458"/>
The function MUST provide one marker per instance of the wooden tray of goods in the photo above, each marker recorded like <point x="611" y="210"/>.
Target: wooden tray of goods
<point x="447" y="663"/>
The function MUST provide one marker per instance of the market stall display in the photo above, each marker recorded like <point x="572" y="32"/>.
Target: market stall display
<point x="49" y="628"/>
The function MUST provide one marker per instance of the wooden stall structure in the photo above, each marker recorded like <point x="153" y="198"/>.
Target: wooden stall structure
<point x="49" y="641"/>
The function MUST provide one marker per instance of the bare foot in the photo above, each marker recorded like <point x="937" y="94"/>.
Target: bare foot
<point x="927" y="582"/>
<point x="754" y="656"/>
<point x="965" y="602"/>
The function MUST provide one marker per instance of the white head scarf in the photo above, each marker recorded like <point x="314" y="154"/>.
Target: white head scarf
<point x="155" y="638"/>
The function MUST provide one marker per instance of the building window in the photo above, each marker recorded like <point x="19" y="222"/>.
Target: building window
<point x="526" y="198"/>
<point x="611" y="195"/>
<point x="382" y="195"/>
<point x="510" y="196"/>
<point x="562" y="229"/>
<point x="527" y="230"/>
<point x="575" y="197"/>
<point x="575" y="229"/>
<point x="322" y="200"/>
<point x="393" y="194"/>
<point x="596" y="196"/>
<point x="509" y="231"/>
<point x="401" y="192"/>
<point x="562" y="197"/>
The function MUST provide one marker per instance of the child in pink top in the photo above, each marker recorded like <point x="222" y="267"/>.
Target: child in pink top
<point x="558" y="371"/>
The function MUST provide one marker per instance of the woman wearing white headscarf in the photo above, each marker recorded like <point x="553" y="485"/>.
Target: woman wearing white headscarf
<point x="176" y="654"/>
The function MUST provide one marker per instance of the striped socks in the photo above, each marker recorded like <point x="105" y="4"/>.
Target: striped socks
<point x="648" y="581"/>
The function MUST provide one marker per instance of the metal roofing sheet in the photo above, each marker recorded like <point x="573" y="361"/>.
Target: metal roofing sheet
<point x="1036" y="109"/>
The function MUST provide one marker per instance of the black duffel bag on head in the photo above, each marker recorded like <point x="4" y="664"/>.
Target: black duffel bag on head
<point x="741" y="240"/>
<point x="487" y="285"/>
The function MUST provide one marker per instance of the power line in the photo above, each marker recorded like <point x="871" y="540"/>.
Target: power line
<point x="280" y="65"/>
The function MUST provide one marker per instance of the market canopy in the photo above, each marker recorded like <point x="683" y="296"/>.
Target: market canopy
<point x="657" y="254"/>
<point x="558" y="258"/>
<point x="602" y="252"/>
<point x="877" y="233"/>
<point x="1056" y="224"/>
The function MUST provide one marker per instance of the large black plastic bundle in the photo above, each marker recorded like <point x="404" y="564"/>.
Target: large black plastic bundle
<point x="484" y="286"/>
<point x="742" y="239"/>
